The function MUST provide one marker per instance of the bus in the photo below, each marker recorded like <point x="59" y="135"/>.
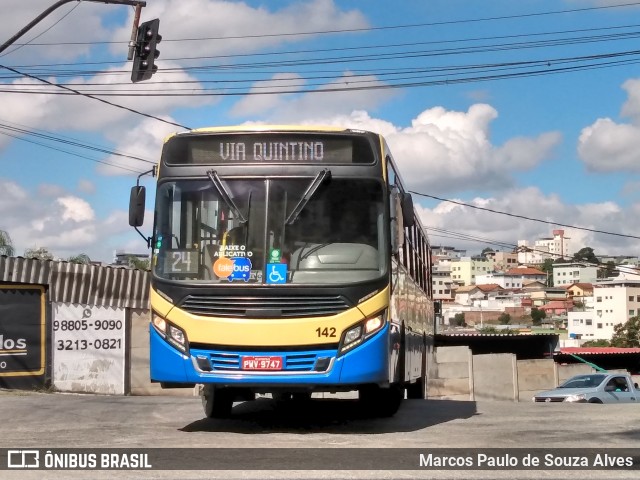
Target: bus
<point x="286" y="261"/>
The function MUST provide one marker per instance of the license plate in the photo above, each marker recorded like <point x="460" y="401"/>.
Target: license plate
<point x="262" y="363"/>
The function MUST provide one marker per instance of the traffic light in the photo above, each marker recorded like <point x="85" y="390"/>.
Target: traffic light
<point x="146" y="52"/>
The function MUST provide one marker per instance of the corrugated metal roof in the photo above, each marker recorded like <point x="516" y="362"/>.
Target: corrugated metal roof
<point x="597" y="350"/>
<point x="77" y="283"/>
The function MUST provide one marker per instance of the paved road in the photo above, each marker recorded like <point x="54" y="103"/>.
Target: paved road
<point x="37" y="420"/>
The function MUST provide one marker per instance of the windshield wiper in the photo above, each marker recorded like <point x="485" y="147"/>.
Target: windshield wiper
<point x="311" y="190"/>
<point x="226" y="196"/>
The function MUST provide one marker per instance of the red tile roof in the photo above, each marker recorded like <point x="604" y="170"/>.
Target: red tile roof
<point x="556" y="304"/>
<point x="597" y="350"/>
<point x="525" y="271"/>
<point x="489" y="287"/>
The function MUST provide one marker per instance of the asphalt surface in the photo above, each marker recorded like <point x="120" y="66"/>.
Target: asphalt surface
<point x="56" y="421"/>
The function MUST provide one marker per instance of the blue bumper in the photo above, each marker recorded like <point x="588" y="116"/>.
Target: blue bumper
<point x="365" y="364"/>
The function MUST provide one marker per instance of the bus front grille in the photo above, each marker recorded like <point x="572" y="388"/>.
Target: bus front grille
<point x="264" y="307"/>
<point x="292" y="362"/>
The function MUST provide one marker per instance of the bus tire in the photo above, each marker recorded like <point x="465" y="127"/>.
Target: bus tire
<point x="381" y="402"/>
<point x="418" y="390"/>
<point x="217" y="402"/>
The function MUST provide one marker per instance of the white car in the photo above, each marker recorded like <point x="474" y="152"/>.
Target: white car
<point x="593" y="388"/>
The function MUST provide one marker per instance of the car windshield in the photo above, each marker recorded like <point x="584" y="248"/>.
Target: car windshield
<point x="584" y="381"/>
<point x="243" y="231"/>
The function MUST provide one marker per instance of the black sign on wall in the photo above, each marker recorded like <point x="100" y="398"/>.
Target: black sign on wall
<point x="22" y="336"/>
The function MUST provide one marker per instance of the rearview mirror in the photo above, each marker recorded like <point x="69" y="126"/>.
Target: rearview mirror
<point x="407" y="210"/>
<point x="136" y="206"/>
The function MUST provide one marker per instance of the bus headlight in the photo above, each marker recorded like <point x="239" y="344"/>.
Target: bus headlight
<point x="360" y="332"/>
<point x="373" y="324"/>
<point x="159" y="323"/>
<point x="171" y="333"/>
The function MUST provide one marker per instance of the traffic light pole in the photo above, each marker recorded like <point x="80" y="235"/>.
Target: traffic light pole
<point x="135" y="3"/>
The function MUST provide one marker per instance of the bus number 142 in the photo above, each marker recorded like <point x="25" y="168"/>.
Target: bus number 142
<point x="326" y="332"/>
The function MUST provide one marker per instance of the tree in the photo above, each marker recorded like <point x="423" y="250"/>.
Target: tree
<point x="486" y="251"/>
<point x="81" y="258"/>
<point x="6" y="245"/>
<point x="609" y="270"/>
<point x="38" y="253"/>
<point x="458" y="320"/>
<point x="597" y="343"/>
<point x="504" y="318"/>
<point x="547" y="267"/>
<point x="627" y="334"/>
<point x="586" y="255"/>
<point x="138" y="264"/>
<point x="537" y="316"/>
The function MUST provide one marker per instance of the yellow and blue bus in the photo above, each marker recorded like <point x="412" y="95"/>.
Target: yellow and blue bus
<point x="287" y="260"/>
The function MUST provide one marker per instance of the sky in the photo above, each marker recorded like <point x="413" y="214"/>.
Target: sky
<point x="529" y="108"/>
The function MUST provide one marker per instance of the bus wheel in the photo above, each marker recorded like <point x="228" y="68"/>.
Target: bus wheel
<point x="217" y="402"/>
<point x="381" y="402"/>
<point x="418" y="390"/>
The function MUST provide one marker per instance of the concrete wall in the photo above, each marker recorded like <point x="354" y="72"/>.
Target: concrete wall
<point x="535" y="376"/>
<point x="459" y="375"/>
<point x="565" y="372"/>
<point x="495" y="377"/>
<point x="450" y="378"/>
<point x="139" y="364"/>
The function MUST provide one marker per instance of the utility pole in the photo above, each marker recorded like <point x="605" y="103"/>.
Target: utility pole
<point x="134" y="3"/>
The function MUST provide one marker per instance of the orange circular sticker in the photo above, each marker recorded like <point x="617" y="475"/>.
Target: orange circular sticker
<point x="223" y="267"/>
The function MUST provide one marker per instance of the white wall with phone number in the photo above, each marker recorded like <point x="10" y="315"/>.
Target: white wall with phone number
<point x="88" y="348"/>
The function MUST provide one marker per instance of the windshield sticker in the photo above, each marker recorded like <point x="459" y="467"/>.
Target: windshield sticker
<point x="275" y="256"/>
<point x="238" y="268"/>
<point x="276" y="273"/>
<point x="233" y="251"/>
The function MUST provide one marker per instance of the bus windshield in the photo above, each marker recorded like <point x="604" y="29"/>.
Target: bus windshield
<point x="243" y="231"/>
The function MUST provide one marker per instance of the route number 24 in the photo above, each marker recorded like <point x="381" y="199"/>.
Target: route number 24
<point x="326" y="332"/>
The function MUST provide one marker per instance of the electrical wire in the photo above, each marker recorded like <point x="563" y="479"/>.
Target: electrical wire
<point x="74" y="91"/>
<point x="523" y="217"/>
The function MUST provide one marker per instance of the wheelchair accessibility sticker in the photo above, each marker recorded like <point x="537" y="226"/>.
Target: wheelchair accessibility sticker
<point x="276" y="273"/>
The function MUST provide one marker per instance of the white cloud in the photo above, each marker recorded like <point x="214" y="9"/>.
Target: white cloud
<point x="606" y="146"/>
<point x="62" y="223"/>
<point x="317" y="103"/>
<point x="75" y="209"/>
<point x="449" y="151"/>
<point x="530" y="202"/>
<point x="214" y="19"/>
<point x="143" y="141"/>
<point x="631" y="107"/>
<point x="60" y="30"/>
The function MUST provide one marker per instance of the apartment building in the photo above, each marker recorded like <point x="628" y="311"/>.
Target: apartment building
<point x="614" y="302"/>
<point x="442" y="281"/>
<point x="503" y="260"/>
<point x="557" y="246"/>
<point x="465" y="269"/>
<point x="565" y="274"/>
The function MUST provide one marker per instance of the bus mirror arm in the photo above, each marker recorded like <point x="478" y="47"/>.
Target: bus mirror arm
<point x="137" y="205"/>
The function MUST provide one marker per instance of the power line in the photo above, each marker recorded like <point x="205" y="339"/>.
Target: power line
<point x="21" y="138"/>
<point x="373" y="29"/>
<point x="523" y="217"/>
<point x="137" y="112"/>
<point x="71" y="142"/>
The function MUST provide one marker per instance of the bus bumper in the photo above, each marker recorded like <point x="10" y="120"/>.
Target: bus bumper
<point x="365" y="364"/>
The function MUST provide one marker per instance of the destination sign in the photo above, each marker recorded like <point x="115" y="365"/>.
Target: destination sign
<point x="213" y="149"/>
